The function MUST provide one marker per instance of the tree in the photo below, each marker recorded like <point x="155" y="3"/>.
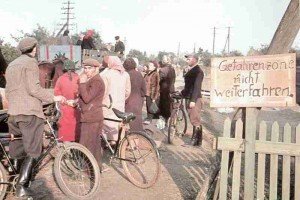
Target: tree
<point x="9" y="52"/>
<point x="205" y="57"/>
<point x="262" y="50"/>
<point x="41" y="34"/>
<point x="142" y="57"/>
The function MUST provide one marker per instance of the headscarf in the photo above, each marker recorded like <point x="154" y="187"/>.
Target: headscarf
<point x="115" y="63"/>
<point x="129" y="64"/>
<point x="89" y="34"/>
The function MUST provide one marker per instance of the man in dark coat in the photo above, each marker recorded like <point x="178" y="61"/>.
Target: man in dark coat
<point x="91" y="92"/>
<point x="192" y="93"/>
<point x="119" y="47"/>
<point x="135" y="101"/>
<point x="167" y="81"/>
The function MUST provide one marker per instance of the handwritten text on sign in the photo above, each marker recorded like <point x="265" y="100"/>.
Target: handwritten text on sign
<point x="258" y="81"/>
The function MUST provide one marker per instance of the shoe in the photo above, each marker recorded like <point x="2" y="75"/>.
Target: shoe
<point x="197" y="136"/>
<point x="104" y="168"/>
<point x="22" y="190"/>
<point x="146" y="122"/>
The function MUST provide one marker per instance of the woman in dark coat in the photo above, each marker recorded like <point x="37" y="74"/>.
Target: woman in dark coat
<point x="135" y="101"/>
<point x="91" y="92"/>
<point x="167" y="81"/>
<point x="152" y="85"/>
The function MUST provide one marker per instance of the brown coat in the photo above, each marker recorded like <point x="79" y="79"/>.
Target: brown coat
<point x="23" y="90"/>
<point x="152" y="84"/>
<point x="90" y="99"/>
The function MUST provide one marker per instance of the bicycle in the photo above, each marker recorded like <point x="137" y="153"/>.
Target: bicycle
<point x="177" y="124"/>
<point x="75" y="169"/>
<point x="137" y="152"/>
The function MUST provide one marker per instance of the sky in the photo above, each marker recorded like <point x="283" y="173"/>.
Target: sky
<point x="155" y="25"/>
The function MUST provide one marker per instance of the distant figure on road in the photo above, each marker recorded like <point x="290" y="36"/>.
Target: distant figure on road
<point x="192" y="93"/>
<point x="65" y="39"/>
<point x="119" y="47"/>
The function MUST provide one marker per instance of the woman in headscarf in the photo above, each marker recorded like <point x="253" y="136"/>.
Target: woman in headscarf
<point x="117" y="84"/>
<point x="67" y="86"/>
<point x="91" y="92"/>
<point x="135" y="101"/>
<point x="152" y="84"/>
<point x="167" y="82"/>
<point x="88" y="42"/>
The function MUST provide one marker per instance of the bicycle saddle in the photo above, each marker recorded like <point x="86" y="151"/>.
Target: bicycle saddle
<point x="176" y="95"/>
<point x="3" y="116"/>
<point x="126" y="117"/>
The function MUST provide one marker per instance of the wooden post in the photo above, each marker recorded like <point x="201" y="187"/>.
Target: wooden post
<point x="251" y="119"/>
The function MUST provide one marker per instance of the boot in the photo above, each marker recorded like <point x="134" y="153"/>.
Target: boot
<point x="22" y="189"/>
<point x="17" y="164"/>
<point x="197" y="136"/>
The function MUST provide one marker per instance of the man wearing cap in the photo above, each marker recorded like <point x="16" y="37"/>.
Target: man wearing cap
<point x="192" y="93"/>
<point x="119" y="47"/>
<point x="91" y="92"/>
<point x="26" y="117"/>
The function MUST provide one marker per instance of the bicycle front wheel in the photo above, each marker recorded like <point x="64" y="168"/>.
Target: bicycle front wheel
<point x="77" y="172"/>
<point x="177" y="124"/>
<point x="140" y="159"/>
<point x="3" y="181"/>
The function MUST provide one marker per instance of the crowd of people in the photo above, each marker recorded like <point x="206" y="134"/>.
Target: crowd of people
<point x="82" y="96"/>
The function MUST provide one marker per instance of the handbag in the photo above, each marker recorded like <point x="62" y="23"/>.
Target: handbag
<point x="153" y="109"/>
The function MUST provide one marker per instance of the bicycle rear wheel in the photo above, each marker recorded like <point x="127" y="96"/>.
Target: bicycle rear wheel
<point x="140" y="159"/>
<point x="177" y="124"/>
<point x="3" y="181"/>
<point x="77" y="172"/>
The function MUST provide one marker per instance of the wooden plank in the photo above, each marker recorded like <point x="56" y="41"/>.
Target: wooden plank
<point x="236" y="175"/>
<point x="297" y="166"/>
<point x="261" y="167"/>
<point x="250" y="135"/>
<point x="287" y="30"/>
<point x="224" y="163"/>
<point x="274" y="163"/>
<point x="266" y="147"/>
<point x="286" y="168"/>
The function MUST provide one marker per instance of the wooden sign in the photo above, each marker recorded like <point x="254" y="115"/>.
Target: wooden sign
<point x="256" y="81"/>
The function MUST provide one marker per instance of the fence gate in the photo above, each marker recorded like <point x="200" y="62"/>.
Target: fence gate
<point x="277" y="165"/>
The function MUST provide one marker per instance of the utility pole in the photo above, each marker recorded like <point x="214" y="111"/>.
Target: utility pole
<point x="67" y="11"/>
<point x="227" y="42"/>
<point x="194" y="48"/>
<point x="214" y="38"/>
<point x="178" y="52"/>
<point x="228" y="39"/>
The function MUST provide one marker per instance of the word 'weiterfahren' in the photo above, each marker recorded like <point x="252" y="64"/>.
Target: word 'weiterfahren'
<point x="249" y="83"/>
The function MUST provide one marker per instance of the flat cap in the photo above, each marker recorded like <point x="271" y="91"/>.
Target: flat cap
<point x="27" y="43"/>
<point x="91" y="62"/>
<point x="192" y="55"/>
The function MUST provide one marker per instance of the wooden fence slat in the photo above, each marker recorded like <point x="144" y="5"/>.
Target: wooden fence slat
<point x="286" y="168"/>
<point x="250" y="137"/>
<point x="261" y="167"/>
<point x="274" y="163"/>
<point x="236" y="175"/>
<point x="297" y="167"/>
<point x="224" y="163"/>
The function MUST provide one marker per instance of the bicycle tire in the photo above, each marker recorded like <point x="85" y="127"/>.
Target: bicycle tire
<point x="173" y="124"/>
<point x="68" y="164"/>
<point x="4" y="179"/>
<point x="132" y="147"/>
